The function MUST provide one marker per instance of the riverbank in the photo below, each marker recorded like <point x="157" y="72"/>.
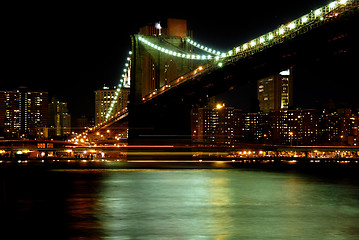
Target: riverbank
<point x="330" y="168"/>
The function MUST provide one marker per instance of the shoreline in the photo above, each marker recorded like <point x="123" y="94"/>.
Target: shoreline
<point x="330" y="168"/>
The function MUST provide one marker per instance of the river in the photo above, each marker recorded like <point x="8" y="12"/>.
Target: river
<point x="177" y="204"/>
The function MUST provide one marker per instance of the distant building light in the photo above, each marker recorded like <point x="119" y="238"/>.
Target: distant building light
<point x="285" y="72"/>
<point x="219" y="106"/>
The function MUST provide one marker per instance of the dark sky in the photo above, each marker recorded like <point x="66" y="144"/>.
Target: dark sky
<point x="71" y="49"/>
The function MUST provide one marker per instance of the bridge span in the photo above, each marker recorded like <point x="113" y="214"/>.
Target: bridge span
<point x="167" y="78"/>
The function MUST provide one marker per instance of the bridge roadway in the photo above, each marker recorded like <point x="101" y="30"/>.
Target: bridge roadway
<point x="40" y="150"/>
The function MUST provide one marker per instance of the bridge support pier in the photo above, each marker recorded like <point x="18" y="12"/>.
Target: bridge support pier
<point x="159" y="124"/>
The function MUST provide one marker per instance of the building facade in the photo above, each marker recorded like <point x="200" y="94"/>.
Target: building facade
<point x="302" y="127"/>
<point x="22" y="113"/>
<point x="59" y="119"/>
<point x="220" y="125"/>
<point x="293" y="127"/>
<point x="339" y="127"/>
<point x="276" y="92"/>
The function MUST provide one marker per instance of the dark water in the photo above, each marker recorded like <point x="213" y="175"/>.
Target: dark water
<point x="177" y="204"/>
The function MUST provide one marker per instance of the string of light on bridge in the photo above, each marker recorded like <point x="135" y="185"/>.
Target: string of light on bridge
<point x="204" y="48"/>
<point x="281" y="32"/>
<point x="124" y="82"/>
<point x="175" y="53"/>
<point x="268" y="39"/>
<point x="289" y="28"/>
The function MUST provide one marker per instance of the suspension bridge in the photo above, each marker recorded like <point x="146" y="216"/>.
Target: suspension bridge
<point x="168" y="72"/>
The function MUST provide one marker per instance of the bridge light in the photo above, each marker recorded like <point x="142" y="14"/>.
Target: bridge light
<point x="304" y="19"/>
<point x="253" y="43"/>
<point x="245" y="46"/>
<point x="291" y="25"/>
<point x="343" y="2"/>
<point x="270" y="36"/>
<point x="220" y="64"/>
<point x="261" y="40"/>
<point x="318" y="12"/>
<point x="281" y="31"/>
<point x="332" y="5"/>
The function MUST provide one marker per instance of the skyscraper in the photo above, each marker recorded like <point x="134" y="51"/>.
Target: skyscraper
<point x="276" y="92"/>
<point x="22" y="112"/>
<point x="216" y="125"/>
<point x="59" y="118"/>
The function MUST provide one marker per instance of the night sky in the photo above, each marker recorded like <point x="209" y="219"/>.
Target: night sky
<point x="72" y="49"/>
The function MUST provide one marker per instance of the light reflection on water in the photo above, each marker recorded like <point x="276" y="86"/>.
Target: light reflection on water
<point x="218" y="204"/>
<point x="185" y="204"/>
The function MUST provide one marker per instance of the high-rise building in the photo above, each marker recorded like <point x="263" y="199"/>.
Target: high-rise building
<point x="220" y="125"/>
<point x="22" y="112"/>
<point x="294" y="127"/>
<point x="276" y="92"/>
<point x="103" y="100"/>
<point x="340" y="127"/>
<point x="301" y="127"/>
<point x="59" y="118"/>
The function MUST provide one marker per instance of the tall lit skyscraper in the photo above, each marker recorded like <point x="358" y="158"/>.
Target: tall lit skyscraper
<point x="276" y="92"/>
<point x="22" y="112"/>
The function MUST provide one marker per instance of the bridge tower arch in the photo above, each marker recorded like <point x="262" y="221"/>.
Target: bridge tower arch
<point x="153" y="69"/>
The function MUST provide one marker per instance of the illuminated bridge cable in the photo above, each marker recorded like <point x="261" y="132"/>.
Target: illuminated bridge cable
<point x="124" y="82"/>
<point x="269" y="38"/>
<point x="202" y="47"/>
<point x="175" y="53"/>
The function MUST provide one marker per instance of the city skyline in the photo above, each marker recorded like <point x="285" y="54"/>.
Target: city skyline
<point x="72" y="57"/>
<point x="185" y="120"/>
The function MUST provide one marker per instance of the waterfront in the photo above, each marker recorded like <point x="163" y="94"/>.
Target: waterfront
<point x="195" y="203"/>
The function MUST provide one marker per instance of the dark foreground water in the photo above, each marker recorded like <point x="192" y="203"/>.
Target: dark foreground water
<point x="176" y="204"/>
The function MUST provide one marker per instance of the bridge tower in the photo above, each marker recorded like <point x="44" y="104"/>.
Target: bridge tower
<point x="152" y="70"/>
